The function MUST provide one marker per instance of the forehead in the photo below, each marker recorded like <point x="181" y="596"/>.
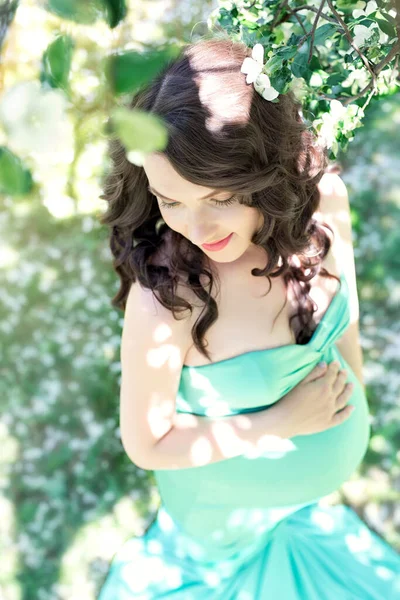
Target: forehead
<point x="163" y="177"/>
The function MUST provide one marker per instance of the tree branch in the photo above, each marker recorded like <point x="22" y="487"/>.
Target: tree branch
<point x="304" y="7"/>
<point x="351" y="40"/>
<point x="312" y="33"/>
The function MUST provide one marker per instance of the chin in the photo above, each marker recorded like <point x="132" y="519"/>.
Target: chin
<point x="232" y="258"/>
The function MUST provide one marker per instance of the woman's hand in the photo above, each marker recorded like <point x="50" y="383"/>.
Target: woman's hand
<point x="318" y="402"/>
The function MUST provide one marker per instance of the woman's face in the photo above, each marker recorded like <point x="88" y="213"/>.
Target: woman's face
<point x="186" y="209"/>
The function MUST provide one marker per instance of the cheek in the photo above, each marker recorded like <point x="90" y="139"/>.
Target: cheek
<point x="240" y="217"/>
<point x="173" y="223"/>
<point x="251" y="219"/>
<point x="167" y="217"/>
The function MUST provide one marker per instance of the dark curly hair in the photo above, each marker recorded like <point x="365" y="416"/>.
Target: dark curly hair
<point x="230" y="139"/>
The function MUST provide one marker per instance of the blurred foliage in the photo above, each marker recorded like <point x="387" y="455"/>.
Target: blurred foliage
<point x="334" y="68"/>
<point x="70" y="496"/>
<point x="56" y="62"/>
<point x="14" y="178"/>
<point x="127" y="71"/>
<point x="87" y="13"/>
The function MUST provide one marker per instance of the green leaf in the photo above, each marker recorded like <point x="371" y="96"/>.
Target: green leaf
<point x="274" y="63"/>
<point x="336" y="78"/>
<point x="300" y="66"/>
<point x="250" y="38"/>
<point x="293" y="40"/>
<point x="374" y="52"/>
<point x="250" y="25"/>
<point x="85" y="12"/>
<point x="56" y="62"/>
<point x="349" y="5"/>
<point x="226" y="19"/>
<point x="279" y="36"/>
<point x="286" y="52"/>
<point x="115" y="12"/>
<point x="314" y="64"/>
<point x="15" y="179"/>
<point x="388" y="17"/>
<point x="139" y="130"/>
<point x="344" y="43"/>
<point x="386" y="27"/>
<point x="127" y="71"/>
<point x="366" y="21"/>
<point x="280" y="80"/>
<point x="324" y="33"/>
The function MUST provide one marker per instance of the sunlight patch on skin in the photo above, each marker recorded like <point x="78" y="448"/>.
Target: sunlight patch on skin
<point x="162" y="408"/>
<point x="157" y="357"/>
<point x="201" y="451"/>
<point x="162" y="333"/>
<point x="160" y="415"/>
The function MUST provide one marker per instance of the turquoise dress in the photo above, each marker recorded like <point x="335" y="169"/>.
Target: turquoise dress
<point x="252" y="527"/>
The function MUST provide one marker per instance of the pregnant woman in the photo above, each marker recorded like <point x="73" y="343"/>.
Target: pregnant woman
<point x="234" y="251"/>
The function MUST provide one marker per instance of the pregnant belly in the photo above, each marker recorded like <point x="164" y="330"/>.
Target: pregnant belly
<point x="302" y="469"/>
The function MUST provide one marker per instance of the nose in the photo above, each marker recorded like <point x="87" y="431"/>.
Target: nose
<point x="203" y="236"/>
<point x="200" y="231"/>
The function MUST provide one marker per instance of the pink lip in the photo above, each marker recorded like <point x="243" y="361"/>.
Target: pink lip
<point x="218" y="245"/>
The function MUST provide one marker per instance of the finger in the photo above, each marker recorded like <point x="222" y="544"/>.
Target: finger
<point x="333" y="370"/>
<point x="318" y="371"/>
<point x="342" y="415"/>
<point x="340" y="382"/>
<point x="343" y="398"/>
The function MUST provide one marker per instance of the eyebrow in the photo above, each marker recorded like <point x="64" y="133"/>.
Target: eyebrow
<point x="153" y="191"/>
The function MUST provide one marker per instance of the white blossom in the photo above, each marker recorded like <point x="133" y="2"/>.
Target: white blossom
<point x="253" y="68"/>
<point x="362" y="34"/>
<point x="35" y="119"/>
<point x="369" y="7"/>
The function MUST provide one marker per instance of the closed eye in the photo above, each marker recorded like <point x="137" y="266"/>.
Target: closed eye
<point x="227" y="202"/>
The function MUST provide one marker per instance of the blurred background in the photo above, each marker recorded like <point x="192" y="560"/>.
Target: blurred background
<point x="69" y="495"/>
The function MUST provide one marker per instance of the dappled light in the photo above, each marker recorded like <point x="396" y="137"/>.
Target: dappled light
<point x="72" y="496"/>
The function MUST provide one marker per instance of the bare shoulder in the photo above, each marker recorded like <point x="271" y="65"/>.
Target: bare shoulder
<point x="335" y="210"/>
<point x="331" y="184"/>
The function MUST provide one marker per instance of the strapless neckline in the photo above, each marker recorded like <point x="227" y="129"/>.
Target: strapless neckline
<point x="326" y="314"/>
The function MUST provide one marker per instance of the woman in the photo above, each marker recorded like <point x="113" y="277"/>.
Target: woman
<point x="226" y="402"/>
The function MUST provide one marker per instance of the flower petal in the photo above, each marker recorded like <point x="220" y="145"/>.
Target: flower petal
<point x="247" y="65"/>
<point x="270" y="93"/>
<point x="258" y="53"/>
<point x="337" y="110"/>
<point x="263" y="80"/>
<point x="262" y="85"/>
<point x="371" y="7"/>
<point x="252" y="68"/>
<point x="363" y="32"/>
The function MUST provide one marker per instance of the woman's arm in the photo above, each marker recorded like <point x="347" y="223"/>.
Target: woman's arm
<point x="335" y="210"/>
<point x="197" y="441"/>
